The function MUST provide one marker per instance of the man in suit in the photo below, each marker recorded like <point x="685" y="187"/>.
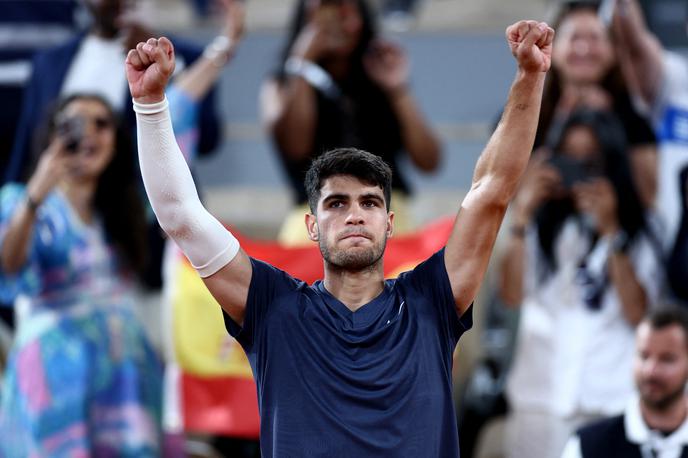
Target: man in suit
<point x="656" y="423"/>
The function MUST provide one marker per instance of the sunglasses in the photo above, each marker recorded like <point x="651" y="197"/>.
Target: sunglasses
<point x="100" y="122"/>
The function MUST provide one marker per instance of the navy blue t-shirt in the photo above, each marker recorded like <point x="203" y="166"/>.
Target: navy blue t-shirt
<point x="371" y="383"/>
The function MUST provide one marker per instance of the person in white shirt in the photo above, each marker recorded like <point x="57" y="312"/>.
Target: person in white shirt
<point x="581" y="264"/>
<point x="655" y="424"/>
<point x="659" y="81"/>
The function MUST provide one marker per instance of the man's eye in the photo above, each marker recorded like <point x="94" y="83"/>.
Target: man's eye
<point x="370" y="203"/>
<point x="336" y="204"/>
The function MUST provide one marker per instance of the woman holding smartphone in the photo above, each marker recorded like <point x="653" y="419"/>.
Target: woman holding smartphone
<point x="82" y="378"/>
<point x="337" y="84"/>
<point x="583" y="267"/>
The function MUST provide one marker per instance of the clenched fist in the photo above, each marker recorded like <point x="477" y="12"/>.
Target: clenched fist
<point x="531" y="45"/>
<point x="149" y="67"/>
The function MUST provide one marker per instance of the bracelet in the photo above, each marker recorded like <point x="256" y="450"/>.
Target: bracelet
<point x="32" y="204"/>
<point x="518" y="231"/>
<point x="218" y="51"/>
<point x="312" y="73"/>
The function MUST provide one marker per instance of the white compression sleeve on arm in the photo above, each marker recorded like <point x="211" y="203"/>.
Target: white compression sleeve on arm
<point x="172" y="193"/>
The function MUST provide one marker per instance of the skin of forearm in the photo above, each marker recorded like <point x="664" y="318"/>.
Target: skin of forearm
<point x="633" y="27"/>
<point x="502" y="165"/>
<point x="419" y="140"/>
<point x="508" y="151"/>
<point x="514" y="258"/>
<point x="15" y="248"/>
<point x="511" y="277"/>
<point x="497" y="174"/>
<point x="197" y="81"/>
<point x="640" y="52"/>
<point x="294" y="127"/>
<point x="631" y="293"/>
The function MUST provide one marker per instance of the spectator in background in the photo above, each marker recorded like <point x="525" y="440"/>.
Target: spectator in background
<point x="656" y="423"/>
<point x="25" y="27"/>
<point x="82" y="378"/>
<point x="338" y="84"/>
<point x="585" y="74"/>
<point x="92" y="62"/>
<point x="581" y="265"/>
<point x="660" y="82"/>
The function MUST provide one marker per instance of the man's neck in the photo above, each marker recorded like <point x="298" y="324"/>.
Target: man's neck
<point x="666" y="420"/>
<point x="354" y="289"/>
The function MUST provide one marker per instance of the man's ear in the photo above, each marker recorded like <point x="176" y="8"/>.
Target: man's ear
<point x="390" y="224"/>
<point x="312" y="227"/>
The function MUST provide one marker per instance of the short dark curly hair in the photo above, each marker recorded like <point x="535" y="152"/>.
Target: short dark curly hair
<point x="668" y="315"/>
<point x="357" y="163"/>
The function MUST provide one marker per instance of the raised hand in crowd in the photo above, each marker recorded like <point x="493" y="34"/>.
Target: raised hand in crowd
<point x="197" y="80"/>
<point x="330" y="29"/>
<point x="541" y="182"/>
<point x="387" y="64"/>
<point x="597" y="199"/>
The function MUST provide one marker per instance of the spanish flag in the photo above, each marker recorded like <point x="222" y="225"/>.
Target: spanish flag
<point x="218" y="395"/>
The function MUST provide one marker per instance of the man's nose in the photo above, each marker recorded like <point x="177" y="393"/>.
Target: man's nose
<point x="650" y="367"/>
<point x="355" y="215"/>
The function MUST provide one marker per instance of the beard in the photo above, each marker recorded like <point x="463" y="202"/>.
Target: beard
<point x="353" y="259"/>
<point x="662" y="401"/>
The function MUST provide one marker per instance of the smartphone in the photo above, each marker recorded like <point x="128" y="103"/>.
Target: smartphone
<point x="72" y="131"/>
<point x="571" y="170"/>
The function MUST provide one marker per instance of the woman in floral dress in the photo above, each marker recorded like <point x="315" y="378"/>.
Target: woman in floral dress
<point x="82" y="378"/>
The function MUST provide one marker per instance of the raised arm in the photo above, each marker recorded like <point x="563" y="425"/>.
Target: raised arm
<point x="501" y="164"/>
<point x="290" y="105"/>
<point x="199" y="78"/>
<point x="212" y="250"/>
<point x="387" y="65"/>
<point x="640" y="53"/>
<point x="53" y="165"/>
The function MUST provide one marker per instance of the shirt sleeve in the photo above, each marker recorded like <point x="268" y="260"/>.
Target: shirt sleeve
<point x="184" y="113"/>
<point x="572" y="449"/>
<point x="675" y="81"/>
<point x="267" y="283"/>
<point x="647" y="265"/>
<point x="431" y="280"/>
<point x="27" y="279"/>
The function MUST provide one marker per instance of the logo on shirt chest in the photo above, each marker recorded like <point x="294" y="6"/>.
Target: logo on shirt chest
<point x="401" y="306"/>
<point x="674" y="127"/>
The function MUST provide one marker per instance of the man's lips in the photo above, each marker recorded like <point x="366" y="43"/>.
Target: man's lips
<point x="355" y="235"/>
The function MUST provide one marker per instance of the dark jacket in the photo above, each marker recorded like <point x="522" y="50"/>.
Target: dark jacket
<point x="49" y="69"/>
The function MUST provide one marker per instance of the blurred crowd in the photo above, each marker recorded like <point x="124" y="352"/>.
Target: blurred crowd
<point x="595" y="240"/>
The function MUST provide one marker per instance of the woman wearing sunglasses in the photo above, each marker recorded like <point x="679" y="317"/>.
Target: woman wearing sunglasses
<point x="82" y="378"/>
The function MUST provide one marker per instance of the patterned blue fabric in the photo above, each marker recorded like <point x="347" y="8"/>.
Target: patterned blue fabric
<point x="82" y="379"/>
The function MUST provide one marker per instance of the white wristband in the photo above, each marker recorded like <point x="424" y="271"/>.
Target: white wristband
<point x="150" y="108"/>
<point x="218" y="51"/>
<point x="315" y="75"/>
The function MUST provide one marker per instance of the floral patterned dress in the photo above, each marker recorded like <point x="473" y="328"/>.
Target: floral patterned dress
<point x="82" y="378"/>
